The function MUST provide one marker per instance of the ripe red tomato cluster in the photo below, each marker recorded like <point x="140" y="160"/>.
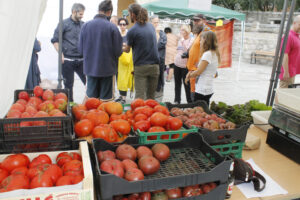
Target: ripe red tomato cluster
<point x="123" y="162"/>
<point x="18" y="172"/>
<point x="150" y="116"/>
<point x="42" y="104"/>
<point x="174" y="193"/>
<point x="96" y="119"/>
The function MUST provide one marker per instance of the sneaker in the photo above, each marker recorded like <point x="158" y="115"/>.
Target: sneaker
<point x="119" y="99"/>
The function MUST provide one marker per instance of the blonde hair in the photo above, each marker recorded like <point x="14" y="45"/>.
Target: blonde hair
<point x="210" y="43"/>
<point x="186" y="28"/>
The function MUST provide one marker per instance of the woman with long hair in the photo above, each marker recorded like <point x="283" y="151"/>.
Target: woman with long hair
<point x="207" y="67"/>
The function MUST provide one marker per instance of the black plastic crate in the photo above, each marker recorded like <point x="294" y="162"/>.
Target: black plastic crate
<point x="283" y="144"/>
<point x="52" y="128"/>
<point x="192" y="161"/>
<point x="219" y="136"/>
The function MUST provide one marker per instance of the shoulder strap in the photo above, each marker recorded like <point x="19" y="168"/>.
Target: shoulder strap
<point x="257" y="180"/>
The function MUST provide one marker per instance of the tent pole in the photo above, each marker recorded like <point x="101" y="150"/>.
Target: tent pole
<point x="286" y="35"/>
<point x="61" y="4"/>
<point x="241" y="48"/>
<point x="275" y="62"/>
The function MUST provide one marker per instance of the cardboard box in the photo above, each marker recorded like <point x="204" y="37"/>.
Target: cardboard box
<point x="81" y="191"/>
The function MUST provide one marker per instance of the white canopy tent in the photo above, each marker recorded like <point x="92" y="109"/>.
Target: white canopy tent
<point x="20" y="20"/>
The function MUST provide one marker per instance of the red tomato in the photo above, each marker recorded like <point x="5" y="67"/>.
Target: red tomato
<point x="32" y="172"/>
<point x="73" y="168"/>
<point x="41" y="180"/>
<point x="54" y="171"/>
<point x="137" y="103"/>
<point x="20" y="170"/>
<point x="38" y="91"/>
<point x="174" y="123"/>
<point x="151" y="103"/>
<point x="23" y="95"/>
<point x="3" y="174"/>
<point x="134" y="174"/>
<point x="174" y="193"/>
<point x="149" y="165"/>
<point x="14" y="182"/>
<point x="65" y="157"/>
<point x="192" y="191"/>
<point x="143" y="151"/>
<point x="142" y="125"/>
<point x="106" y="132"/>
<point x="127" y="163"/>
<point x="105" y="155"/>
<point x="12" y="162"/>
<point x="41" y="159"/>
<point x="83" y="128"/>
<point x="92" y="103"/>
<point x="158" y="119"/>
<point x="145" y="196"/>
<point x="162" y="109"/>
<point x="140" y="117"/>
<point x="146" y="110"/>
<point x="121" y="126"/>
<point x="77" y="179"/>
<point x="64" y="180"/>
<point x="154" y="129"/>
<point x="113" y="166"/>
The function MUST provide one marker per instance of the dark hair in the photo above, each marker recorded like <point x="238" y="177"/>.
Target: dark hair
<point x="77" y="7"/>
<point x="105" y="6"/>
<point x="168" y="30"/>
<point x="140" y="13"/>
<point x="123" y="19"/>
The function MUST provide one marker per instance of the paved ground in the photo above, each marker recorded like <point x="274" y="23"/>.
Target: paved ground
<point x="233" y="85"/>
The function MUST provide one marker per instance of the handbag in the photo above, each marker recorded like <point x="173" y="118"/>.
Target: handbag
<point x="243" y="172"/>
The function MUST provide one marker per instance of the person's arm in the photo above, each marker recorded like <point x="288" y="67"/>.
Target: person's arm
<point x="126" y="47"/>
<point x="200" y="69"/>
<point x="117" y="42"/>
<point x="285" y="64"/>
<point x="162" y="41"/>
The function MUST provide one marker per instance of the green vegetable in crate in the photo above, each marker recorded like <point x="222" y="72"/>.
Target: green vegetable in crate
<point x="240" y="113"/>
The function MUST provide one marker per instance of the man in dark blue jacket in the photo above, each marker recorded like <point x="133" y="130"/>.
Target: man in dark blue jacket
<point x="71" y="59"/>
<point x="100" y="43"/>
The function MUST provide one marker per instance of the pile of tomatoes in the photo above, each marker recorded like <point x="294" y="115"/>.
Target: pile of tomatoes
<point x="106" y="120"/>
<point x="149" y="116"/>
<point x="174" y="193"/>
<point x="43" y="103"/>
<point x="18" y="172"/>
<point x="132" y="164"/>
<point x="96" y="119"/>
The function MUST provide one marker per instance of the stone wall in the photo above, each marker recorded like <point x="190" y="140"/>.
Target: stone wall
<point x="264" y="17"/>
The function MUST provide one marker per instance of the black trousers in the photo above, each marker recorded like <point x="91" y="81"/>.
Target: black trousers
<point x="68" y="69"/>
<point x="205" y="98"/>
<point x="179" y="76"/>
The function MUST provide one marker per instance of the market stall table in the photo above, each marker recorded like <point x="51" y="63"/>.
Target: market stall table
<point x="280" y="168"/>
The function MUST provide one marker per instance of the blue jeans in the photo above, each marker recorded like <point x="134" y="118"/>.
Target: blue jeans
<point x="68" y="69"/>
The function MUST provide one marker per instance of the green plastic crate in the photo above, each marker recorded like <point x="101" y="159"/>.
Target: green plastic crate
<point x="143" y="136"/>
<point x="230" y="149"/>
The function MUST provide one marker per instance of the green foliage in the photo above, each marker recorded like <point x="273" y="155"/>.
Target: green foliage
<point x="240" y="113"/>
<point x="258" y="5"/>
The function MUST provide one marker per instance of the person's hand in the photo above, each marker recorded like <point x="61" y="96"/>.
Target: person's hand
<point x="187" y="78"/>
<point x="286" y="75"/>
<point x="62" y="58"/>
